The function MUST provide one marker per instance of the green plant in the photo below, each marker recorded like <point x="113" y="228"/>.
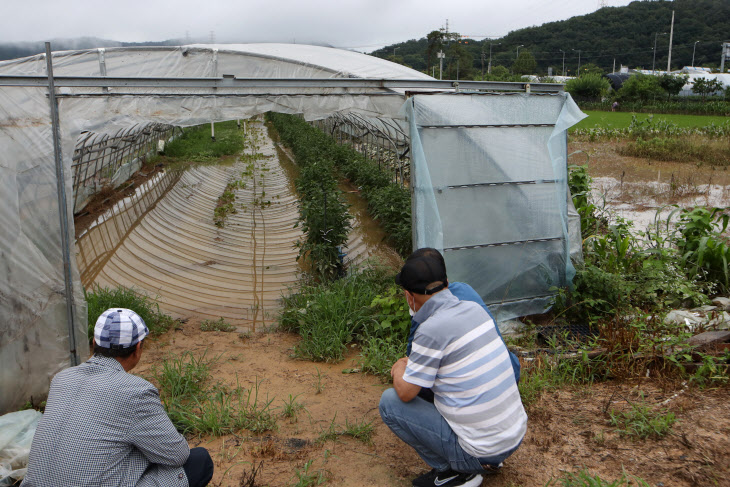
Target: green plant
<point x="182" y="376"/>
<point x="360" y="430"/>
<point x="706" y="86"/>
<point x="196" y="145"/>
<point x="379" y="354"/>
<point x="329" y="315"/>
<point x="589" y="86"/>
<point x="318" y="385"/>
<point x="99" y="299"/>
<point x="702" y="245"/>
<point x="583" y="478"/>
<point x="218" y="325"/>
<point x="641" y="422"/>
<point x="292" y="407"/>
<point x="641" y="87"/>
<point x="673" y="84"/>
<point x="307" y="478"/>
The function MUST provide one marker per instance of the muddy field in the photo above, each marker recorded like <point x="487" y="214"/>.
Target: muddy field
<point x="568" y="431"/>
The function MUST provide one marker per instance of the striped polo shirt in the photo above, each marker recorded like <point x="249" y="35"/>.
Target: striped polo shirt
<point x="459" y="355"/>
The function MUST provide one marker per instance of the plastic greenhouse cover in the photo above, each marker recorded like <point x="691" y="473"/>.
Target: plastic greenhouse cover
<point x="34" y="335"/>
<point x="490" y="189"/>
<point x="16" y="435"/>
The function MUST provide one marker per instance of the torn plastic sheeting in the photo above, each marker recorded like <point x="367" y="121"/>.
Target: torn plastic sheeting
<point x="16" y="435"/>
<point x="502" y="157"/>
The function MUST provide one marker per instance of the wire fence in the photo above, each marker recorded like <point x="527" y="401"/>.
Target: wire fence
<point x="98" y="158"/>
<point x="381" y="140"/>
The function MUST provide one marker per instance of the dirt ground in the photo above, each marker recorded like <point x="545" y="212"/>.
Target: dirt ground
<point x="568" y="429"/>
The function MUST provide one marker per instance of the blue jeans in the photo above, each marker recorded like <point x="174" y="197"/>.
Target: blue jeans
<point x="420" y="425"/>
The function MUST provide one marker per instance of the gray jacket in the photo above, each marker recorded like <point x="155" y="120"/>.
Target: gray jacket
<point x="105" y="427"/>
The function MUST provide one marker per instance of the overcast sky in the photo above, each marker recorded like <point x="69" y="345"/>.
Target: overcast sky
<point x="357" y="24"/>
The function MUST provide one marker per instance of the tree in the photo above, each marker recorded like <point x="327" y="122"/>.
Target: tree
<point x="436" y="40"/>
<point x="588" y="87"/>
<point x="641" y="87"/>
<point x="459" y="62"/>
<point x="525" y="63"/>
<point x="590" y="68"/>
<point x="673" y="84"/>
<point x="706" y="86"/>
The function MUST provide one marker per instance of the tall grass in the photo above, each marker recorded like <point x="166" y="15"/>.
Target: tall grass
<point x="197" y="407"/>
<point x="196" y="145"/>
<point x="330" y="315"/>
<point x="99" y="299"/>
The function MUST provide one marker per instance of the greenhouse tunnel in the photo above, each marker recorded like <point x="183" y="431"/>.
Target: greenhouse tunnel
<point x="102" y="93"/>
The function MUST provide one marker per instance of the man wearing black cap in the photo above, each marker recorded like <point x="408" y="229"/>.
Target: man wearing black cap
<point x="477" y="419"/>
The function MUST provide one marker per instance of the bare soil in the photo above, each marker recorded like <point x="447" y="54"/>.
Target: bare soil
<point x="568" y="429"/>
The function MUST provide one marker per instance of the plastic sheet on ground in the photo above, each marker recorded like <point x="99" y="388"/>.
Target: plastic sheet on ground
<point x="16" y="435"/>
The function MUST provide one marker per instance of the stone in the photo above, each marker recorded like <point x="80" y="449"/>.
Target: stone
<point x="722" y="322"/>
<point x="709" y="338"/>
<point x="722" y="303"/>
<point x="683" y="317"/>
<point x="511" y="327"/>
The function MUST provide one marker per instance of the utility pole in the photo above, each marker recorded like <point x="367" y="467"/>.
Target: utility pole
<point x="563" y="62"/>
<point x="671" y="36"/>
<point x="441" y="57"/>
<point x="518" y="51"/>
<point x="653" y="63"/>
<point x="482" y="61"/>
<point x="579" y="50"/>
<point x="693" y="53"/>
<point x="489" y="66"/>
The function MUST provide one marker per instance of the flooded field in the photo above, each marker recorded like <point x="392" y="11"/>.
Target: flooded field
<point x="163" y="241"/>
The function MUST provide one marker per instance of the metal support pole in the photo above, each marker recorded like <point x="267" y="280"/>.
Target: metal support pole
<point x="62" y="209"/>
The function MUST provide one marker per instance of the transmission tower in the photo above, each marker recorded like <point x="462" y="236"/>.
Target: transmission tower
<point x="602" y="3"/>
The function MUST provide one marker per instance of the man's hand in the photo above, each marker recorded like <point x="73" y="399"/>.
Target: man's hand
<point x="405" y="390"/>
<point x="401" y="365"/>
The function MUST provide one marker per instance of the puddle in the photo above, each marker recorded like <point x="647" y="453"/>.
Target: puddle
<point x="640" y="202"/>
<point x="366" y="240"/>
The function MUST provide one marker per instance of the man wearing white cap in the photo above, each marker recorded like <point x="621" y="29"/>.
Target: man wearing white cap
<point x="104" y="426"/>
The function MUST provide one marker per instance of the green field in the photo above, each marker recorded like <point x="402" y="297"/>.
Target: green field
<point x="623" y="119"/>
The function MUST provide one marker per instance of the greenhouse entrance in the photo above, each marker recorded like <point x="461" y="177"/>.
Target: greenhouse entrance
<point x="101" y="92"/>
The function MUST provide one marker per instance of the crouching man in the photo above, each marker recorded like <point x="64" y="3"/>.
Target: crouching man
<point x="105" y="427"/>
<point x="477" y="419"/>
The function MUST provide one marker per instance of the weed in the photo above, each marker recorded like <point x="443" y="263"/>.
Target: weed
<point x="292" y="407"/>
<point x="99" y="299"/>
<point x="195" y="143"/>
<point x="318" y="385"/>
<point x="379" y="354"/>
<point x="641" y="422"/>
<point x="583" y="478"/>
<point x="329" y="434"/>
<point x="217" y="325"/>
<point x="330" y="315"/>
<point x="182" y="376"/>
<point x="360" y="430"/>
<point x="307" y="478"/>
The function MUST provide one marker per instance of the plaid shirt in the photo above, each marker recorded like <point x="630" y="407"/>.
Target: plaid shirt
<point x="105" y="427"/>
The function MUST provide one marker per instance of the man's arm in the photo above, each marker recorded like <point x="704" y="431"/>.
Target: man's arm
<point x="154" y="434"/>
<point x="405" y="390"/>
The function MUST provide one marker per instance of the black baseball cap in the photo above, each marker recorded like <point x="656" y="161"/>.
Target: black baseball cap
<point x="421" y="268"/>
